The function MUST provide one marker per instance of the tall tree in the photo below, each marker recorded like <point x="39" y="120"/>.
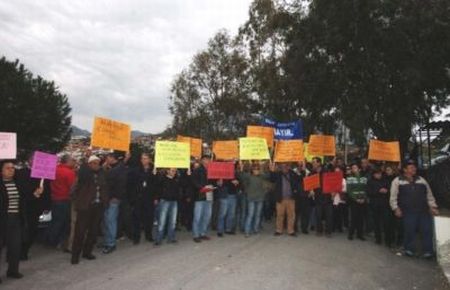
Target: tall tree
<point x="33" y="108"/>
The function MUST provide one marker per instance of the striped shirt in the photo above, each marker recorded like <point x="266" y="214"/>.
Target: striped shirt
<point x="13" y="196"/>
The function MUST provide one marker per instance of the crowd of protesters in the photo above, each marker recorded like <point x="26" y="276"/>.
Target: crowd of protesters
<point x="106" y="196"/>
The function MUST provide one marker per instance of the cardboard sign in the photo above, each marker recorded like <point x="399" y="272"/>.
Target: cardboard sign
<point x="195" y="145"/>
<point x="311" y="182"/>
<point x="384" y="151"/>
<point x="169" y="154"/>
<point x="226" y="150"/>
<point x="221" y="170"/>
<point x="289" y="151"/>
<point x="252" y="148"/>
<point x="44" y="165"/>
<point x="332" y="182"/>
<point x="111" y="134"/>
<point x="261" y="132"/>
<point x="285" y="131"/>
<point x="309" y="157"/>
<point x="8" y="145"/>
<point x="322" y="145"/>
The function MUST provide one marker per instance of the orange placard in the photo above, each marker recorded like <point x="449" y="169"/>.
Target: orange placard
<point x="384" y="151"/>
<point x="226" y="150"/>
<point x="311" y="182"/>
<point x="195" y="143"/>
<point x="289" y="151"/>
<point x="261" y="132"/>
<point x="322" y="145"/>
<point x="111" y="134"/>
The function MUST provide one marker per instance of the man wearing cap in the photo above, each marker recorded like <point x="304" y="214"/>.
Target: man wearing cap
<point x="89" y="198"/>
<point x="413" y="200"/>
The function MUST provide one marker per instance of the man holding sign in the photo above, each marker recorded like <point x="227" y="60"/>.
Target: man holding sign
<point x="203" y="204"/>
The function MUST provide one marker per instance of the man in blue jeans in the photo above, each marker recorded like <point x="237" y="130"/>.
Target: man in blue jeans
<point x="203" y="192"/>
<point x="412" y="199"/>
<point x="226" y="192"/>
<point x="116" y="181"/>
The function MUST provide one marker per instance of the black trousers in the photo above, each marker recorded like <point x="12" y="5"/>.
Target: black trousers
<point x="187" y="213"/>
<point x="143" y="214"/>
<point x="382" y="222"/>
<point x="358" y="213"/>
<point x="86" y="230"/>
<point x="305" y="212"/>
<point x="324" y="212"/>
<point x="34" y="210"/>
<point x="13" y="242"/>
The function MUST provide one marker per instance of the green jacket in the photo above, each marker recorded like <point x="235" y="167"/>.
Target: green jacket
<point x="357" y="187"/>
<point x="254" y="186"/>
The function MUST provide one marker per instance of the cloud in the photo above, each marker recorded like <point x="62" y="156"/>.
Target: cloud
<point x="114" y="58"/>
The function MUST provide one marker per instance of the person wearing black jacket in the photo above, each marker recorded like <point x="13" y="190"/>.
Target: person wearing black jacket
<point x="116" y="183"/>
<point x="170" y="194"/>
<point x="324" y="203"/>
<point x="287" y="186"/>
<point x="142" y="198"/>
<point x="37" y="200"/>
<point x="12" y="217"/>
<point x="203" y="193"/>
<point x="378" y="194"/>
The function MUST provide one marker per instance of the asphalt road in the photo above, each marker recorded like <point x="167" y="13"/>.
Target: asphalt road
<point x="233" y="262"/>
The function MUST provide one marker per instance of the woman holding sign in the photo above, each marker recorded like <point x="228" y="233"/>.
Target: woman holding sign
<point x="12" y="217"/>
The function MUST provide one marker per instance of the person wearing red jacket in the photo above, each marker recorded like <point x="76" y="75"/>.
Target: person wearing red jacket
<point x="61" y="187"/>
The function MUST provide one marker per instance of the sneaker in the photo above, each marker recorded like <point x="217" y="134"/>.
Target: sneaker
<point x="220" y="235"/>
<point x="230" y="233"/>
<point x="108" y="250"/>
<point x="427" y="256"/>
<point x="205" y="238"/>
<point x="16" y="275"/>
<point x="277" y="234"/>
<point x="293" y="235"/>
<point x="408" y="253"/>
<point x="157" y="244"/>
<point x="89" y="257"/>
<point x="197" y="240"/>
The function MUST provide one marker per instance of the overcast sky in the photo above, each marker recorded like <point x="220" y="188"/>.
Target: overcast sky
<point x="114" y="58"/>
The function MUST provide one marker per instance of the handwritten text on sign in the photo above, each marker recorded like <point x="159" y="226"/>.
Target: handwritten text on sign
<point x="111" y="134"/>
<point x="261" y="132"/>
<point x="384" y="151"/>
<point x="221" y="170"/>
<point x="332" y="182"/>
<point x="311" y="182"/>
<point x="8" y="145"/>
<point x="170" y="154"/>
<point x="289" y="151"/>
<point x="322" y="145"/>
<point x="251" y="148"/>
<point x="44" y="165"/>
<point x="226" y="150"/>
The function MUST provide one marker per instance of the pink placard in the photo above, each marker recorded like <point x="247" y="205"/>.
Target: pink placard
<point x="8" y="145"/>
<point x="44" y="165"/>
<point x="221" y="170"/>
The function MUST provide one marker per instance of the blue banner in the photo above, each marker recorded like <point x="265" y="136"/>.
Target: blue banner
<point x="285" y="131"/>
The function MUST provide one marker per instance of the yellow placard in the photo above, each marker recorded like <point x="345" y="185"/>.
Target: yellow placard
<point x="384" y="151"/>
<point x="111" y="134"/>
<point x="195" y="143"/>
<point x="322" y="145"/>
<point x="226" y="150"/>
<point x="289" y="151"/>
<point x="261" y="132"/>
<point x="253" y="148"/>
<point x="170" y="154"/>
<point x="309" y="157"/>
